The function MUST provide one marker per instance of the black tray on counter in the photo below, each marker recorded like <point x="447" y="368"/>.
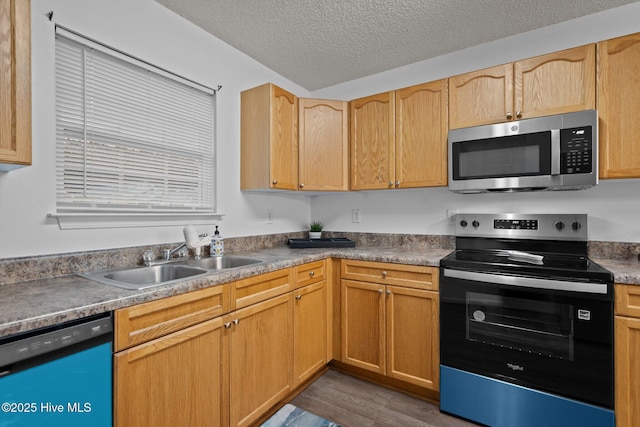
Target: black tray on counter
<point x="335" y="242"/>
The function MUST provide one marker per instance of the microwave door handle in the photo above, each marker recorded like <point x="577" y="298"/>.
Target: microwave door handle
<point x="555" y="152"/>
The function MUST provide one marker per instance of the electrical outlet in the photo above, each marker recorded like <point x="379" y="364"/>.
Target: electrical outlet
<point x="270" y="216"/>
<point x="355" y="215"/>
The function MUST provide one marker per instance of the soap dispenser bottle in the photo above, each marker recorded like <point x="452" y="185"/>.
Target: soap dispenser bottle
<point x="217" y="244"/>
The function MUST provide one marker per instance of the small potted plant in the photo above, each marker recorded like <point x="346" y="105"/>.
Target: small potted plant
<point x="315" y="229"/>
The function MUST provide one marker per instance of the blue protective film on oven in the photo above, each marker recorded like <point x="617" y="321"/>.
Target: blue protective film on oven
<point x="500" y="404"/>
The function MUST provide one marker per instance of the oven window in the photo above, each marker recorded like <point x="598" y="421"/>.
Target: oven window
<point x="532" y="326"/>
<point x="508" y="156"/>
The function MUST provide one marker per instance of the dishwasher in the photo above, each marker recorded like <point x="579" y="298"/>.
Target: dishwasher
<point x="59" y="375"/>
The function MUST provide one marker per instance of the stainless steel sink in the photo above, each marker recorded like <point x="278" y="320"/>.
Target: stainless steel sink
<point x="145" y="277"/>
<point x="222" y="262"/>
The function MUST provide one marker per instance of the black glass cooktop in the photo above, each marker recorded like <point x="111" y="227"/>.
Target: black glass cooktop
<point x="539" y="264"/>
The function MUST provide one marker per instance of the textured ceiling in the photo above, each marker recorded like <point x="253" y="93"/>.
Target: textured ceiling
<point x="320" y="43"/>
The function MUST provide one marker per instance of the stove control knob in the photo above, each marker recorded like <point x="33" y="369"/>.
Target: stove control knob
<point x="575" y="226"/>
<point x="475" y="224"/>
<point x="559" y="225"/>
<point x="463" y="223"/>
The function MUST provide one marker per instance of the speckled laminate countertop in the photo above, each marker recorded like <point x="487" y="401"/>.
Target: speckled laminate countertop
<point x="25" y="306"/>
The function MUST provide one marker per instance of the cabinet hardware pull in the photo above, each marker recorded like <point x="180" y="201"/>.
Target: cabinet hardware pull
<point x="275" y="181"/>
<point x="390" y="183"/>
<point x="388" y="292"/>
<point x="311" y="273"/>
<point x="236" y="321"/>
<point x="397" y="183"/>
<point x="298" y="297"/>
<point x="227" y="325"/>
<point x="301" y="185"/>
<point x="384" y="274"/>
<point x="380" y="291"/>
<point x="509" y="115"/>
<point x="518" y="114"/>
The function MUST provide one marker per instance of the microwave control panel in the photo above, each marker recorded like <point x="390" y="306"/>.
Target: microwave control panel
<point x="576" y="151"/>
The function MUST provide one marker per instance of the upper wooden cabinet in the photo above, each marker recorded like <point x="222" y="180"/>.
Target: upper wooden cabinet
<point x="399" y="139"/>
<point x="373" y="142"/>
<point x="421" y="135"/>
<point x="556" y="83"/>
<point x="323" y="145"/>
<point x="15" y="84"/>
<point x="618" y="107"/>
<point x="268" y="139"/>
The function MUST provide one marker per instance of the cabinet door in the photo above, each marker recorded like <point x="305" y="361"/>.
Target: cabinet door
<point x="324" y="145"/>
<point x="15" y="84"/>
<point x="261" y="358"/>
<point x="421" y="135"/>
<point x="372" y="142"/>
<point x="618" y="108"/>
<point x="363" y="343"/>
<point x="268" y="139"/>
<point x="310" y="331"/>
<point x="627" y="363"/>
<point x="177" y="380"/>
<point x="413" y="353"/>
<point x="284" y="140"/>
<point x="556" y="83"/>
<point x="481" y="97"/>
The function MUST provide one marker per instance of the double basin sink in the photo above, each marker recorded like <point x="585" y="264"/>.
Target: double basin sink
<point x="171" y="272"/>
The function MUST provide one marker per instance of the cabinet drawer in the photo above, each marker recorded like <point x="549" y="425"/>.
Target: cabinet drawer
<point x="259" y="288"/>
<point x="412" y="276"/>
<point x="628" y="300"/>
<point x="144" y="322"/>
<point x="312" y="272"/>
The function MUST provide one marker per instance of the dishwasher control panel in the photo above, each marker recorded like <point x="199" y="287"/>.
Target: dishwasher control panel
<point x="35" y="343"/>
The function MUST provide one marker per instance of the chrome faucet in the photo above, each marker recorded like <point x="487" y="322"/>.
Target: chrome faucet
<point x="183" y="252"/>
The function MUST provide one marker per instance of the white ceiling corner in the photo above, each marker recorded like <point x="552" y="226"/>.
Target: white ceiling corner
<point x="321" y="43"/>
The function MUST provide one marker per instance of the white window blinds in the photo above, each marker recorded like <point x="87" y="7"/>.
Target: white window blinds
<point x="130" y="137"/>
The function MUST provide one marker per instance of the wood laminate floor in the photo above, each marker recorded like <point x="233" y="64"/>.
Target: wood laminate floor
<point x="356" y="403"/>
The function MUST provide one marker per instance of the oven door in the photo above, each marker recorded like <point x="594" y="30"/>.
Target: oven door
<point x="549" y="335"/>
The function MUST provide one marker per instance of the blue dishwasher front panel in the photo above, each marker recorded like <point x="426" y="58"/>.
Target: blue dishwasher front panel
<point x="74" y="390"/>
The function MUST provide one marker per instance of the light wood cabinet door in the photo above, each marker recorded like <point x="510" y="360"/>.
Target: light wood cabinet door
<point x="627" y="365"/>
<point x="323" y="145"/>
<point x="363" y="325"/>
<point x="15" y="84"/>
<point x="410" y="276"/>
<point x="413" y="353"/>
<point x="260" y="358"/>
<point x="421" y="135"/>
<point x="618" y="107"/>
<point x="560" y="82"/>
<point x="555" y="83"/>
<point x="481" y="97"/>
<point x="268" y="139"/>
<point x="372" y="143"/>
<point x="310" y="331"/>
<point x="177" y="380"/>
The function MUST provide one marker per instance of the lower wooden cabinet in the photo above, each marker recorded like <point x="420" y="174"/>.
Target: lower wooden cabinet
<point x="391" y="330"/>
<point x="260" y="358"/>
<point x="177" y="380"/>
<point x="310" y="331"/>
<point x="627" y="355"/>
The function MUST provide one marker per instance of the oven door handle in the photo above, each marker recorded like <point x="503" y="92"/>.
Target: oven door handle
<point x="528" y="282"/>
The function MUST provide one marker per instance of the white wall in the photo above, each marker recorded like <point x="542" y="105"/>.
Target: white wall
<point x="147" y="30"/>
<point x="613" y="206"/>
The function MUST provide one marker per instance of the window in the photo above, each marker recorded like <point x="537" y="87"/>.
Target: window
<point x="131" y="138"/>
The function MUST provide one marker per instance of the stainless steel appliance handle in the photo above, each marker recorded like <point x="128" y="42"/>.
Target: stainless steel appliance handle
<point x="555" y="151"/>
<point x="528" y="282"/>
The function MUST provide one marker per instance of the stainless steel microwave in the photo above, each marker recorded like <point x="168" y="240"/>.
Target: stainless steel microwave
<point x="557" y="152"/>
